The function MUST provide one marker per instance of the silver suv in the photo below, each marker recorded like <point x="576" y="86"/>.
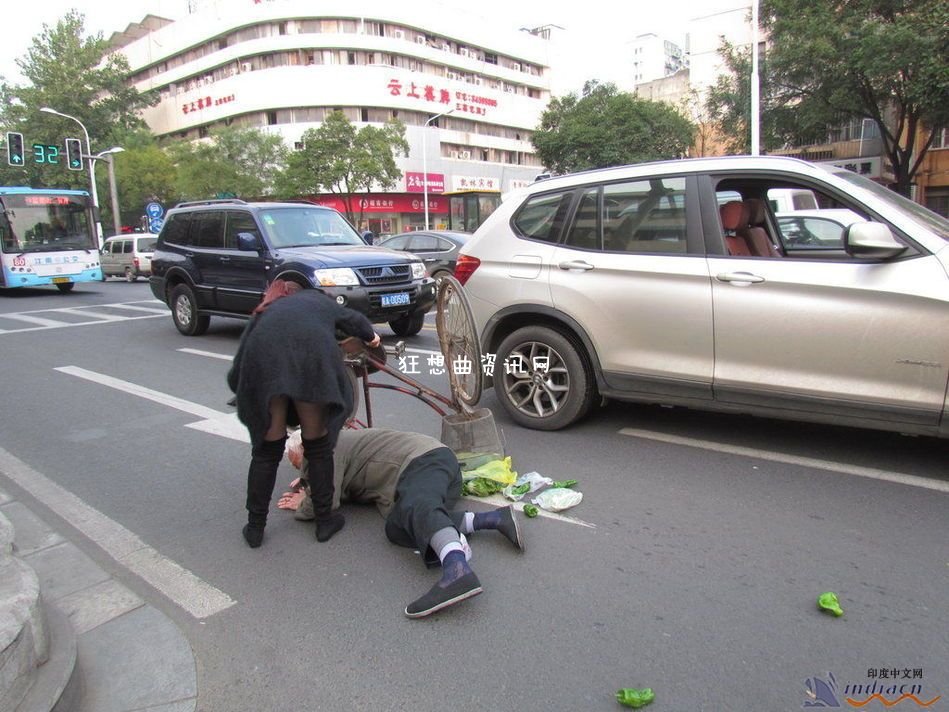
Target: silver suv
<point x="673" y="283"/>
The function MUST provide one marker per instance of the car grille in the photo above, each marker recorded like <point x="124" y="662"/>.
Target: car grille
<point x="386" y="275"/>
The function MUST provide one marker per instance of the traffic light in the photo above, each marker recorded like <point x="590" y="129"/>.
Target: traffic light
<point x="14" y="148"/>
<point x="74" y="154"/>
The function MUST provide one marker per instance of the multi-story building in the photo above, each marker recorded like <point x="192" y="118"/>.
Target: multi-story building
<point x="654" y="58"/>
<point x="283" y="66"/>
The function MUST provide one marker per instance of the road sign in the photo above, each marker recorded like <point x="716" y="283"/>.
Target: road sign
<point x="154" y="210"/>
<point x="155" y="224"/>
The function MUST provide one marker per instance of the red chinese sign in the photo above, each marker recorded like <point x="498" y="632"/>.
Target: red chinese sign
<point x="463" y="102"/>
<point x="386" y="203"/>
<point x="414" y="182"/>
<point x="205" y="102"/>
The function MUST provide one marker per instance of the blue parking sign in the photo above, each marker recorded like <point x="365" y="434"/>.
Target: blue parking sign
<point x="154" y="210"/>
<point x="155" y="224"/>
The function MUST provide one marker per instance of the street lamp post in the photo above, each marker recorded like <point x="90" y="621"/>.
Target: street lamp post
<point x="425" y="161"/>
<point x="109" y="157"/>
<point x="92" y="170"/>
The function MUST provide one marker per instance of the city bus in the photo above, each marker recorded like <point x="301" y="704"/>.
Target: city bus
<point x="47" y="236"/>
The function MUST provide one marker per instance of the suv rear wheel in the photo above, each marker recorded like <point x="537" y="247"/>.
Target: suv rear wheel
<point x="539" y="396"/>
<point x="184" y="311"/>
<point x="408" y="325"/>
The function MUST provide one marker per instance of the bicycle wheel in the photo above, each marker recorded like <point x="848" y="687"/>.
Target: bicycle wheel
<point x="458" y="339"/>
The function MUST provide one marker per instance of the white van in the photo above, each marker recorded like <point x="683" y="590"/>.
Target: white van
<point x="128" y="256"/>
<point x="787" y="200"/>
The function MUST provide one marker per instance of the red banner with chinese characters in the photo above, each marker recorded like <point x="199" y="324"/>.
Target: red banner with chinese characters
<point x="414" y="184"/>
<point x="385" y="203"/>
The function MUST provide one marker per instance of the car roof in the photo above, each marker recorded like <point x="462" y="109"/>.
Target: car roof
<point x="235" y="203"/>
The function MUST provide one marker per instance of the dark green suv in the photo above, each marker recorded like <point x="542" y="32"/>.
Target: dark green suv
<point x="216" y="258"/>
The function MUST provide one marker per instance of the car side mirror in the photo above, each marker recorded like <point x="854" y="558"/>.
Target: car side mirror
<point x="872" y="240"/>
<point x="248" y="242"/>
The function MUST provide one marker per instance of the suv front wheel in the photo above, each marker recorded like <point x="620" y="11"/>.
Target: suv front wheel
<point x="550" y="385"/>
<point x="408" y="325"/>
<point x="184" y="311"/>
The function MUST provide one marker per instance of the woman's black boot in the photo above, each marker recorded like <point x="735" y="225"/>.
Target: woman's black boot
<point x="261" y="478"/>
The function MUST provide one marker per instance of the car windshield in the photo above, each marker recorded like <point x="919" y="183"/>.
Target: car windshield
<point x="307" y="227"/>
<point x="932" y="221"/>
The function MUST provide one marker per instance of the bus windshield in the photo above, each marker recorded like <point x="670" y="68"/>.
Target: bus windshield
<point x="45" y="223"/>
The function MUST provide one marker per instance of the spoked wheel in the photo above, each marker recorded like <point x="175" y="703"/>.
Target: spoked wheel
<point x="458" y="339"/>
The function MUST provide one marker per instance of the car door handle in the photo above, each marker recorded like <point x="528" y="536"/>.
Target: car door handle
<point x="225" y="259"/>
<point x="575" y="264"/>
<point x="745" y="277"/>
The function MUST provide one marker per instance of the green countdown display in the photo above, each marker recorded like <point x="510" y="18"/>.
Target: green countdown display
<point x="44" y="153"/>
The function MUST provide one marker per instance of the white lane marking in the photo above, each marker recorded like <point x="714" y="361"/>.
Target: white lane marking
<point x="197" y="597"/>
<point x="209" y="354"/>
<point x="150" y="310"/>
<point x="142" y="392"/>
<point x="33" y="319"/>
<point x="83" y="311"/>
<point x="500" y="501"/>
<point x="857" y="470"/>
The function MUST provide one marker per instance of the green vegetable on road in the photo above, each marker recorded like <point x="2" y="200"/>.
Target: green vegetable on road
<point x="521" y="489"/>
<point x="828" y="602"/>
<point x="631" y="697"/>
<point x="530" y="510"/>
<point x="564" y="483"/>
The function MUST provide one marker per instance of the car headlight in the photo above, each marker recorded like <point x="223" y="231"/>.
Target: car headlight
<point x="418" y="270"/>
<point x="337" y="277"/>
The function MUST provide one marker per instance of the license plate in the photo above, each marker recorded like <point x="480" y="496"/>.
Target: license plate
<point x="395" y="300"/>
<point x="61" y="280"/>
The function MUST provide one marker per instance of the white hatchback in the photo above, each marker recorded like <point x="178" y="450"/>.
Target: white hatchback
<point x="675" y="282"/>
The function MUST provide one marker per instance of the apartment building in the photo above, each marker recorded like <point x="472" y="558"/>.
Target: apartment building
<point x="283" y="65"/>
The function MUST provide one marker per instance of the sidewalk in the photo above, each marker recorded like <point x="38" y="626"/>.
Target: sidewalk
<point x="128" y="654"/>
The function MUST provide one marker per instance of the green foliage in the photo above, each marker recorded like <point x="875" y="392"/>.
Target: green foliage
<point x="144" y="173"/>
<point x="605" y="127"/>
<point x="242" y="161"/>
<point x="883" y="60"/>
<point x="70" y="73"/>
<point x="338" y="158"/>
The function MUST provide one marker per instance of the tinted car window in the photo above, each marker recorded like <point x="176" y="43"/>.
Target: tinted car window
<point x="426" y="243"/>
<point x="542" y="216"/>
<point x="646" y="215"/>
<point x="237" y="222"/>
<point x="127" y="247"/>
<point x="207" y="230"/>
<point x="176" y="229"/>
<point x="584" y="233"/>
<point x="397" y="243"/>
<point x="147" y="244"/>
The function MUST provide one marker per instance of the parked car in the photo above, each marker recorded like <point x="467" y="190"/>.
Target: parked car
<point x="128" y="256"/>
<point x="438" y="249"/>
<point x="825" y="228"/>
<point x="216" y="258"/>
<point x="672" y="283"/>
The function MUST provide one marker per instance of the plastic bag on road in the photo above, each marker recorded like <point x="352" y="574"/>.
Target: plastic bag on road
<point x="556" y="499"/>
<point x="497" y="470"/>
<point x="525" y="484"/>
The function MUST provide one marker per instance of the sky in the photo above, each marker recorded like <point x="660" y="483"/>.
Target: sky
<point x="596" y="29"/>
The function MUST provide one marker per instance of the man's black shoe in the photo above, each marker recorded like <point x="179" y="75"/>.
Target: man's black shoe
<point x="438" y="598"/>
<point x="510" y="528"/>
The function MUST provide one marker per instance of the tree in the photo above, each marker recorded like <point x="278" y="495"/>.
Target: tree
<point x="882" y="60"/>
<point x="605" y="127"/>
<point x="728" y="103"/>
<point x="144" y="173"/>
<point x="240" y="161"/>
<point x="74" y="75"/>
<point x="338" y="158"/>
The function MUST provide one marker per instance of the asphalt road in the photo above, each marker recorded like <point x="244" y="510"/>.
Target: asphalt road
<point x="692" y="566"/>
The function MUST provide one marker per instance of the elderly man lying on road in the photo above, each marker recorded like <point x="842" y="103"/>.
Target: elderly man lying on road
<point x="415" y="481"/>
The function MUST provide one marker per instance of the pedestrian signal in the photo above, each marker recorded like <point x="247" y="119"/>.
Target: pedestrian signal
<point x="74" y="154"/>
<point x="14" y="148"/>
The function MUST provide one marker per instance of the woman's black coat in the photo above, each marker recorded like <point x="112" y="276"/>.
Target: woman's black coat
<point x="291" y="349"/>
